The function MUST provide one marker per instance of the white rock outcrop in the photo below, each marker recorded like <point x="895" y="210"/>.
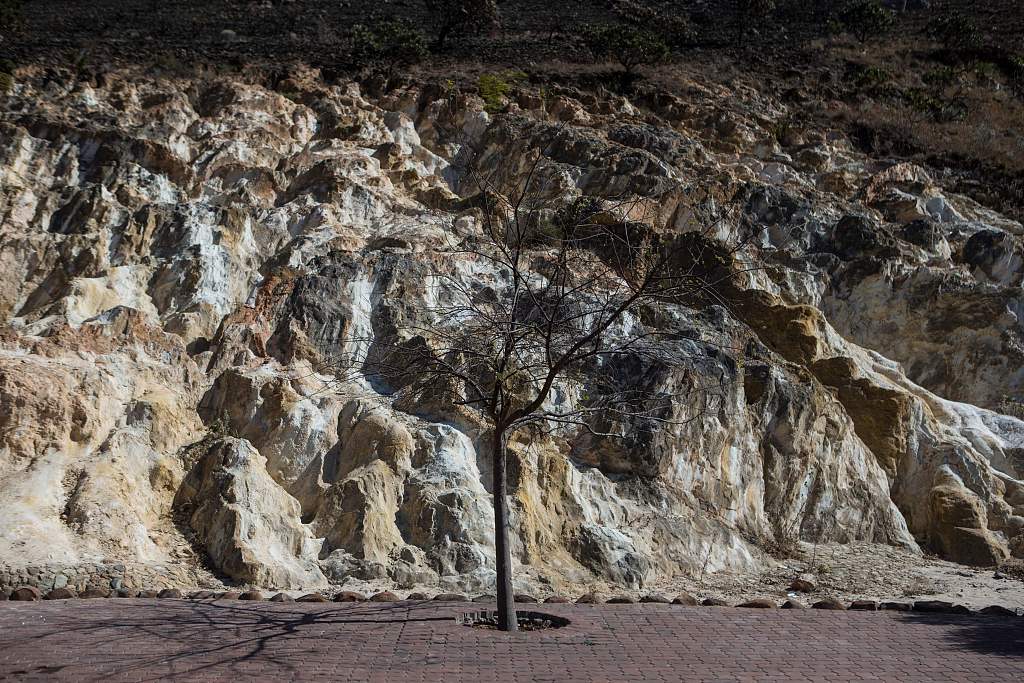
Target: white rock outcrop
<point x="180" y="257"/>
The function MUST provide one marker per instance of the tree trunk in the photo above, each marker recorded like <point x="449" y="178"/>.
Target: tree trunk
<point x="442" y="38"/>
<point x="502" y="554"/>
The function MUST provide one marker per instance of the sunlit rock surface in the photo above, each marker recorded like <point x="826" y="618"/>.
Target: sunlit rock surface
<point x="180" y="258"/>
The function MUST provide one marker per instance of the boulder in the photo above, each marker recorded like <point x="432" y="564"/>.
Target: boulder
<point x="248" y="524"/>
<point x="759" y="603"/>
<point x="589" y="599"/>
<point x="998" y="611"/>
<point x="655" y="598"/>
<point x="26" y="593"/>
<point x="864" y="605"/>
<point x="349" y="596"/>
<point x="939" y="607"/>
<point x="170" y="593"/>
<point x="896" y="606"/>
<point x="60" y="594"/>
<point x="829" y="604"/>
<point x="251" y="595"/>
<point x="959" y="527"/>
<point x="384" y="596"/>
<point x="95" y="593"/>
<point x="685" y="599"/>
<point x="282" y="597"/>
<point x="715" y="602"/>
<point x="620" y="600"/>
<point x="802" y="585"/>
<point x="312" y="597"/>
<point x="793" y="604"/>
<point x="456" y="597"/>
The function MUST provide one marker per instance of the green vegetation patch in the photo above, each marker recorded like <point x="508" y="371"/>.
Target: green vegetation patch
<point x="495" y="87"/>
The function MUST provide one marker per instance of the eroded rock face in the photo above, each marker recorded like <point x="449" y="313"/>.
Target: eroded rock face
<point x="92" y="416"/>
<point x="181" y="258"/>
<point x="247" y="524"/>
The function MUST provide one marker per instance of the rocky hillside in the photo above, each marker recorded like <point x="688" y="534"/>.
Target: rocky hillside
<point x="182" y="255"/>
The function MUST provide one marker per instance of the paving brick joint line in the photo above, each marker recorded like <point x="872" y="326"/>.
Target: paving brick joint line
<point x="179" y="640"/>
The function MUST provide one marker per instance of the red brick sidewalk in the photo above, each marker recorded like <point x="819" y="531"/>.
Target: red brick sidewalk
<point x="136" y="640"/>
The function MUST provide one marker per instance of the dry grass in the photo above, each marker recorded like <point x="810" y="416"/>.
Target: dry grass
<point x="989" y="127"/>
<point x="963" y="118"/>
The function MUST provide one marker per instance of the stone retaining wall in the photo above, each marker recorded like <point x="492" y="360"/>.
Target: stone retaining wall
<point x="80" y="577"/>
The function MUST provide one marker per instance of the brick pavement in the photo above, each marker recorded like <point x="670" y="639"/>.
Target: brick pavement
<point x="180" y="640"/>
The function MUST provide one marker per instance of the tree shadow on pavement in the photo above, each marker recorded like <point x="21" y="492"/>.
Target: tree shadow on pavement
<point x="197" y="636"/>
<point x="984" y="634"/>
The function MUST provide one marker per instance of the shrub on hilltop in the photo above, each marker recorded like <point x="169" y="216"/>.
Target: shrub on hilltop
<point x="387" y="46"/>
<point x="10" y="14"/>
<point x="955" y="32"/>
<point x="867" y="20"/>
<point x="750" y="14"/>
<point x="630" y="46"/>
<point x="661" y="17"/>
<point x="453" y="17"/>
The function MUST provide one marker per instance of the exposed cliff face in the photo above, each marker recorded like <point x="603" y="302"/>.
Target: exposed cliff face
<point x="182" y="257"/>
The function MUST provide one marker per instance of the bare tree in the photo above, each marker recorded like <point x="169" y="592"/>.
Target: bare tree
<point x="574" y="287"/>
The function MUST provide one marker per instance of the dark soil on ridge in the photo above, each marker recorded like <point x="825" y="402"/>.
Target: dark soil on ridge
<point x="312" y="30"/>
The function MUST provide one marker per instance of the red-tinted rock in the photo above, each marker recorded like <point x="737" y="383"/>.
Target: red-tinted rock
<point x="758" y="603"/>
<point x="864" y="605"/>
<point x="282" y="597"/>
<point x="454" y="597"/>
<point x="229" y="595"/>
<point x="523" y="597"/>
<point x="589" y="599"/>
<point x="654" y="598"/>
<point x="621" y="600"/>
<point x="714" y="602"/>
<point x="483" y="598"/>
<point x="793" y="604"/>
<point x="149" y="594"/>
<point x="170" y="593"/>
<point x="59" y="594"/>
<point x="26" y="594"/>
<point x="685" y="599"/>
<point x="312" y="597"/>
<point x="384" y="596"/>
<point x="251" y="595"/>
<point x="802" y="586"/>
<point x="829" y="604"/>
<point x="94" y="593"/>
<point x="556" y="600"/>
<point x="349" y="596"/>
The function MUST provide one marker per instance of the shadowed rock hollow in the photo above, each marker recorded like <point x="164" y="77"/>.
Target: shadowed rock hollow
<point x="181" y="257"/>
